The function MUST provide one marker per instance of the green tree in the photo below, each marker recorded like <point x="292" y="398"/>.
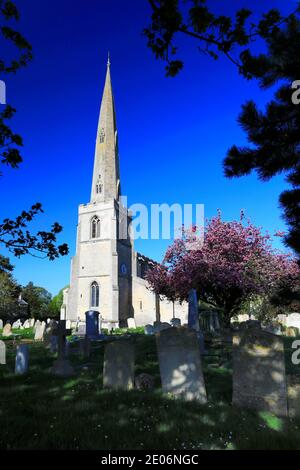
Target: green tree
<point x="38" y="300"/>
<point x="9" y="291"/>
<point x="275" y="133"/>
<point x="14" y="233"/>
<point x="56" y="303"/>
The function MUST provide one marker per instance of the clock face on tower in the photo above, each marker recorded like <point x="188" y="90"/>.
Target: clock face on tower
<point x="123" y="268"/>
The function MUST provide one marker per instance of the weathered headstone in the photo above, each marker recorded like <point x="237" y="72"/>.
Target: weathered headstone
<point x="17" y="324"/>
<point x="149" y="330"/>
<point x="32" y="322"/>
<point x="22" y="359"/>
<point x="2" y="353"/>
<point x="131" y="323"/>
<point x="26" y="324"/>
<point x="118" y="369"/>
<point x="291" y="332"/>
<point x="81" y="329"/>
<point x="37" y="324"/>
<point x="259" y="380"/>
<point x="39" y="332"/>
<point x="180" y="364"/>
<point x="62" y="366"/>
<point x="1" y="324"/>
<point x="7" y="330"/>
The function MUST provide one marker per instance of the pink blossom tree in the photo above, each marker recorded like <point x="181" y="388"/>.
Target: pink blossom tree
<point x="235" y="262"/>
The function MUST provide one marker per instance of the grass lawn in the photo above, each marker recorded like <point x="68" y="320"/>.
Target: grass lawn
<point x="39" y="411"/>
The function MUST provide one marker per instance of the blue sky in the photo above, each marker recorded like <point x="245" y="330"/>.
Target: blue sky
<point x="173" y="133"/>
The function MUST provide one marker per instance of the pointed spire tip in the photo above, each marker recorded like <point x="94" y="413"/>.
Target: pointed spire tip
<point x="108" y="59"/>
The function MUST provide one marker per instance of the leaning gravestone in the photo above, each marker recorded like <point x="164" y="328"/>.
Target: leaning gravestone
<point x="2" y="353"/>
<point x="7" y="330"/>
<point x="118" y="369"/>
<point x="180" y="364"/>
<point x="131" y="323"/>
<point x="259" y="380"/>
<point x="39" y="332"/>
<point x="22" y="359"/>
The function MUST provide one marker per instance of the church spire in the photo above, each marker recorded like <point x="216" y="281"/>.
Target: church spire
<point x="106" y="178"/>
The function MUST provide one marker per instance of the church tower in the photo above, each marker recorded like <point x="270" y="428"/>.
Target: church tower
<point x="101" y="270"/>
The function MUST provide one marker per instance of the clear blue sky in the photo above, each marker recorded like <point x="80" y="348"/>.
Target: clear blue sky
<point x="173" y="133"/>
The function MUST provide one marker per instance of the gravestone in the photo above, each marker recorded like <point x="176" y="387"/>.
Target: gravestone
<point x="2" y="353"/>
<point x="81" y="329"/>
<point x="291" y="332"/>
<point x="176" y="322"/>
<point x="7" y="330"/>
<point x="22" y="359"/>
<point x="39" y="332"/>
<point x="131" y="323"/>
<point x="37" y="324"/>
<point x="1" y="324"/>
<point x="32" y="322"/>
<point x="62" y="366"/>
<point x="180" y="364"/>
<point x="26" y="324"/>
<point x="92" y="324"/>
<point x="17" y="324"/>
<point x="259" y="380"/>
<point x="118" y="369"/>
<point x="149" y="330"/>
<point x="49" y="332"/>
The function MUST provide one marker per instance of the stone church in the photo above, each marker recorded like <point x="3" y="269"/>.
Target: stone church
<point x="107" y="275"/>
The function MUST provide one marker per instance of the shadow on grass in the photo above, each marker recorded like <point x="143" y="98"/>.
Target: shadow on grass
<point x="40" y="411"/>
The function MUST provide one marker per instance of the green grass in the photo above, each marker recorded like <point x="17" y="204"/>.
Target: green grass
<point x="40" y="411"/>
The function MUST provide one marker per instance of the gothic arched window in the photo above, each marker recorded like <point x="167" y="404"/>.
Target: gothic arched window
<point x="95" y="227"/>
<point x="95" y="294"/>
